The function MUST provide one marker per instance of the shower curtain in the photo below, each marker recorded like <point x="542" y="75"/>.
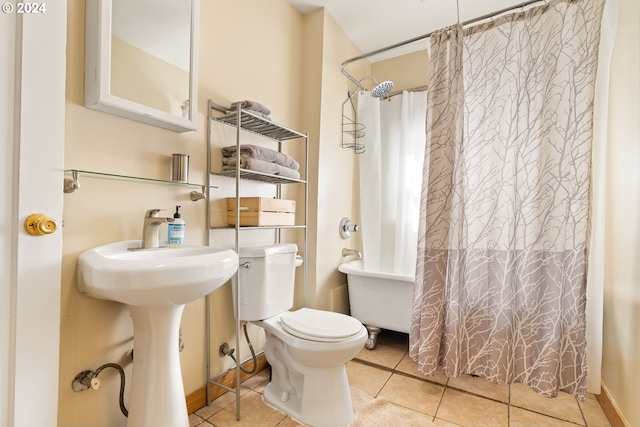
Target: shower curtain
<point x="390" y="173"/>
<point x="504" y="223"/>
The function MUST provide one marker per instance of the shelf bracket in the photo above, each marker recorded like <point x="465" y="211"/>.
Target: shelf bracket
<point x="72" y="184"/>
<point x="197" y="195"/>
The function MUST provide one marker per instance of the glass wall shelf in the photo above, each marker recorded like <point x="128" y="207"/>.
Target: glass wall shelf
<point x="71" y="184"/>
<point x="259" y="227"/>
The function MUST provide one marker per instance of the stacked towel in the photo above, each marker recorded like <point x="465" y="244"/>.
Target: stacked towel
<point x="262" y="153"/>
<point x="260" y="159"/>
<point x="246" y="162"/>
<point x="252" y="106"/>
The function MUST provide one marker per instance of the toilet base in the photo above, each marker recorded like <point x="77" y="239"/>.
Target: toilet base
<point x="312" y="405"/>
<point x="309" y="378"/>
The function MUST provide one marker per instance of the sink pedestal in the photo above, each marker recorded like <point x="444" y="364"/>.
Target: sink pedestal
<point x="157" y="392"/>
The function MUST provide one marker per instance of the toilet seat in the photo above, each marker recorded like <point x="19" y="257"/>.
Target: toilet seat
<point x="319" y="325"/>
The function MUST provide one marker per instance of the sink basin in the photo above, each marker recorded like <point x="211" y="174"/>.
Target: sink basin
<point x="155" y="284"/>
<point x="153" y="277"/>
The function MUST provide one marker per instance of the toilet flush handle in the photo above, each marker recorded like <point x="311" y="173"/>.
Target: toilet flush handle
<point x="245" y="265"/>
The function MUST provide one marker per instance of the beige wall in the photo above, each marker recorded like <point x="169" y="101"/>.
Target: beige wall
<point x="331" y="182"/>
<point x="621" y="352"/>
<point x="406" y="71"/>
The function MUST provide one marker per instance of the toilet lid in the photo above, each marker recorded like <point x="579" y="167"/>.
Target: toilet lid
<point x="319" y="325"/>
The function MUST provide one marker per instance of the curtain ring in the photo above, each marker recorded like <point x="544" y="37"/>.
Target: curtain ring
<point x="522" y="10"/>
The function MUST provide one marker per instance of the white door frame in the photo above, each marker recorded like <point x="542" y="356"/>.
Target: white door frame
<point x="32" y="112"/>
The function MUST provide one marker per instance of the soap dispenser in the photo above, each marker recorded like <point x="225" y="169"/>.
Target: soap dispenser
<point x="175" y="230"/>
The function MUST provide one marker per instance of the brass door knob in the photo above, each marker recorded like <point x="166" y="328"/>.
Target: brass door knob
<point x="40" y="225"/>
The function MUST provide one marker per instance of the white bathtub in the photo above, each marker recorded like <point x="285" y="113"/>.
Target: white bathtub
<point x="379" y="299"/>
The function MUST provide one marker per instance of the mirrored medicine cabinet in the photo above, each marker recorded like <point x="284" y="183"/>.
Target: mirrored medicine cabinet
<point x="141" y="60"/>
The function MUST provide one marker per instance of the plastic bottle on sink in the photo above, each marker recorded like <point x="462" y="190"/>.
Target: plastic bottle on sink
<point x="175" y="230"/>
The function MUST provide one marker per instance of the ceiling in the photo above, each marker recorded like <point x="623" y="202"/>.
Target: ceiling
<point x="374" y="24"/>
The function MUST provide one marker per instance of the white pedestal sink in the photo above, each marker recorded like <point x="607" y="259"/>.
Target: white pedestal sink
<point x="155" y="284"/>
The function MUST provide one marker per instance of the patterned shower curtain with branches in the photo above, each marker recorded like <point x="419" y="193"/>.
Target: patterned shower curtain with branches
<point x="504" y="222"/>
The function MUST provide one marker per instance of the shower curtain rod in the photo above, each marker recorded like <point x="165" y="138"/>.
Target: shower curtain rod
<point x="425" y="36"/>
<point x="399" y="92"/>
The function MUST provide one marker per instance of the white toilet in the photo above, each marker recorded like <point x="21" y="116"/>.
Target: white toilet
<point x="307" y="349"/>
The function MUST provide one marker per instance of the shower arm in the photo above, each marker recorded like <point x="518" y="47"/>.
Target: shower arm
<point x="377" y="91"/>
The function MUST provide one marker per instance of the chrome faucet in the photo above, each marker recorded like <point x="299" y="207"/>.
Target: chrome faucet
<point x="347" y="252"/>
<point x="151" y="228"/>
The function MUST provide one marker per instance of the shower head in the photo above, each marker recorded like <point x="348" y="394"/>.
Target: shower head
<point x="379" y="89"/>
<point x="382" y="89"/>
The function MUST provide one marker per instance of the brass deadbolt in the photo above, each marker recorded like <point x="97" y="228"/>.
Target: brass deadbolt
<point x="40" y="225"/>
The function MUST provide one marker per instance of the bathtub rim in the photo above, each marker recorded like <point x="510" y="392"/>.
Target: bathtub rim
<point x="356" y="268"/>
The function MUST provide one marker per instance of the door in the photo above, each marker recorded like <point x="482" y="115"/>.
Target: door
<point x="32" y="105"/>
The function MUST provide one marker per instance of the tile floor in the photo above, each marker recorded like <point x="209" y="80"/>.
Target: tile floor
<point x="450" y="402"/>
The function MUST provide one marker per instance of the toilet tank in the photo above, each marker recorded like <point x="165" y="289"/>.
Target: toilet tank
<point x="265" y="289"/>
